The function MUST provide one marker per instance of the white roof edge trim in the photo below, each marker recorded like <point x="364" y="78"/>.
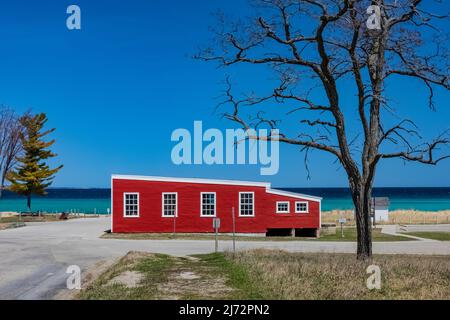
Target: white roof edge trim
<point x="294" y="195"/>
<point x="191" y="180"/>
<point x="267" y="185"/>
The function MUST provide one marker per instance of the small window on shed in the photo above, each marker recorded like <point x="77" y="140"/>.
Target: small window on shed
<point x="283" y="207"/>
<point x="131" y="204"/>
<point x="301" y="207"/>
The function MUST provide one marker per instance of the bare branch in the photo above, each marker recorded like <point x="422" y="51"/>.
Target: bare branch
<point x="424" y="154"/>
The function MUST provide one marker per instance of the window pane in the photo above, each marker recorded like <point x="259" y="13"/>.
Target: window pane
<point x="131" y="205"/>
<point x="246" y="204"/>
<point x="208" y="204"/>
<point x="302" y="206"/>
<point x="169" y="204"/>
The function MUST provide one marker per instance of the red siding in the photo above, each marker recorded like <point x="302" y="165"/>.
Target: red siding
<point x="189" y="219"/>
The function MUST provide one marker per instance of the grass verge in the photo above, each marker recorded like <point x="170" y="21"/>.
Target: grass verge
<point x="42" y="218"/>
<point x="204" y="277"/>
<point x="349" y="235"/>
<point x="442" y="236"/>
<point x="273" y="274"/>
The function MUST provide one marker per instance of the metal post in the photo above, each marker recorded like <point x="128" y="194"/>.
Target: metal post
<point x="216" y="226"/>
<point x="234" y="231"/>
<point x="216" y="240"/>
<point x="174" y="224"/>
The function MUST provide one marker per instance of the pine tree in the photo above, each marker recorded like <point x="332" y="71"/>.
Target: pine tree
<point x="33" y="175"/>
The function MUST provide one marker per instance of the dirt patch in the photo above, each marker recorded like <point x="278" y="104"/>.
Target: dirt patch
<point x="189" y="284"/>
<point x="188" y="275"/>
<point x="130" y="279"/>
<point x="192" y="258"/>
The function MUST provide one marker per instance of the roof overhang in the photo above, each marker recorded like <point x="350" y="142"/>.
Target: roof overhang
<point x="192" y="180"/>
<point x="293" y="195"/>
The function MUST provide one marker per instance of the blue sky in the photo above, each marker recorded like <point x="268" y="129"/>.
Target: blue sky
<point x="117" y="89"/>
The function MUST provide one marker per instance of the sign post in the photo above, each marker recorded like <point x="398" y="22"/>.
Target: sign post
<point x="216" y="226"/>
<point x="341" y="222"/>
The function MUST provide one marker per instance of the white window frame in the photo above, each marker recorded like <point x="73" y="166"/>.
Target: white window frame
<point x="253" y="204"/>
<point x="300" y="211"/>
<point x="125" y="194"/>
<point x="176" y="204"/>
<point x="288" y="206"/>
<point x="201" y="205"/>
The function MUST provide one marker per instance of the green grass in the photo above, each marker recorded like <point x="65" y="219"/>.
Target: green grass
<point x="349" y="235"/>
<point x="274" y="274"/>
<point x="442" y="236"/>
<point x="191" y="236"/>
<point x="237" y="276"/>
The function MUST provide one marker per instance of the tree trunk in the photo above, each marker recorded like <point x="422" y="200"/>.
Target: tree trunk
<point x="362" y="201"/>
<point x="29" y="202"/>
<point x="2" y="185"/>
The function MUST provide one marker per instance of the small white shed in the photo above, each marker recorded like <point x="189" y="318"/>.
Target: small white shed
<point x="380" y="209"/>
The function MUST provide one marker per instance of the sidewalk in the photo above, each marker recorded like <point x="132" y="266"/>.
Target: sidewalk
<point x="392" y="230"/>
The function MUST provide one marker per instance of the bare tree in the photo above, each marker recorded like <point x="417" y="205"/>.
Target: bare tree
<point x="319" y="48"/>
<point x="10" y="145"/>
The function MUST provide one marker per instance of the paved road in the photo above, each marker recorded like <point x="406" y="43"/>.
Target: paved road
<point x="33" y="259"/>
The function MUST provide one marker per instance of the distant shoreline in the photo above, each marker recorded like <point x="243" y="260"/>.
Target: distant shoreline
<point x="97" y="200"/>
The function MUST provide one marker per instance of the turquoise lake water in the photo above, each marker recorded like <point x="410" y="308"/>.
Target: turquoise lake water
<point x="102" y="205"/>
<point x="98" y="200"/>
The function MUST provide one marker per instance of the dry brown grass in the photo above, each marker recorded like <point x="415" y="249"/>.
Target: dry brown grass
<point x="282" y="275"/>
<point x="395" y="217"/>
<point x="3" y="226"/>
<point x="419" y="217"/>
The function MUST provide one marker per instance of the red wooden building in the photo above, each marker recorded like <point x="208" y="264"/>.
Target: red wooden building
<point x="164" y="205"/>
